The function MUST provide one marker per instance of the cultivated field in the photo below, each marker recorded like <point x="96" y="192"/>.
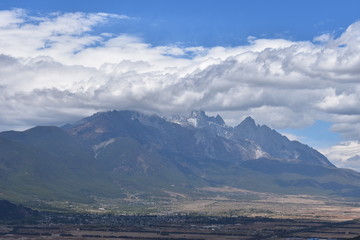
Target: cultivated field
<point x="215" y="213"/>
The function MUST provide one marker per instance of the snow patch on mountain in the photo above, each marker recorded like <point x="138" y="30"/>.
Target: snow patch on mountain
<point x="192" y="121"/>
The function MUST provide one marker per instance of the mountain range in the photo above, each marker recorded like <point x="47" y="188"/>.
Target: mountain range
<point x="110" y="154"/>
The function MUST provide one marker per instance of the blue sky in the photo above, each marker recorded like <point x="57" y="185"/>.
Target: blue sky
<point x="212" y="23"/>
<point x="317" y="135"/>
<point x="292" y="65"/>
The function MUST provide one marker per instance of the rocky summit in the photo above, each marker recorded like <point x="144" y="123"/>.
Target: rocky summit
<point x="112" y="153"/>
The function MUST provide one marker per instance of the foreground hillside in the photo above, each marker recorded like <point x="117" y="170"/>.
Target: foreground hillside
<point x="130" y="155"/>
<point x="12" y="212"/>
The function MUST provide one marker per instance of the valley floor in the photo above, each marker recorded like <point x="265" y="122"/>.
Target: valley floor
<point x="74" y="227"/>
<point x="216" y="213"/>
<point x="224" y="202"/>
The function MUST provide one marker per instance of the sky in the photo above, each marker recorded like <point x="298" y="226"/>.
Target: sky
<point x="292" y="65"/>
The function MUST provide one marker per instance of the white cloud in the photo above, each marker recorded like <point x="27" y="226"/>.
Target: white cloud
<point x="11" y="18"/>
<point x="55" y="68"/>
<point x="292" y="137"/>
<point x="323" y="38"/>
<point x="345" y="154"/>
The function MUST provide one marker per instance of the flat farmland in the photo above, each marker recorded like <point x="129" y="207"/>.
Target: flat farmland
<point x="179" y="227"/>
<point x="218" y="213"/>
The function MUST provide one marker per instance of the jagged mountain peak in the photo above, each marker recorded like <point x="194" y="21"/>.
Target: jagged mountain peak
<point x="196" y="118"/>
<point x="253" y="138"/>
<point x="219" y="120"/>
<point x="248" y="122"/>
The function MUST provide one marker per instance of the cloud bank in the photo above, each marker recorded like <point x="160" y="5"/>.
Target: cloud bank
<point x="56" y="68"/>
<point x="345" y="154"/>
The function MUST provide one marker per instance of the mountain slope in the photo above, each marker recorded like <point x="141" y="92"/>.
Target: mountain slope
<point x="278" y="146"/>
<point x="117" y="153"/>
<point x="203" y="151"/>
<point x="47" y="163"/>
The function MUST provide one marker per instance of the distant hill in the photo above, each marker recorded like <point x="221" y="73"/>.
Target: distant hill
<point x="10" y="211"/>
<point x="111" y="153"/>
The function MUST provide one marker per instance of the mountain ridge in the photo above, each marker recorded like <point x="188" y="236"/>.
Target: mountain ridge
<point x="111" y="154"/>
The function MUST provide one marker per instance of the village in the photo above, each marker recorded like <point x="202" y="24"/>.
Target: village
<point x="176" y="227"/>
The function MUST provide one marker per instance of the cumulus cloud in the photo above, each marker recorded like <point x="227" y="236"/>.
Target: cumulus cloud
<point x="55" y="68"/>
<point x="345" y="154"/>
